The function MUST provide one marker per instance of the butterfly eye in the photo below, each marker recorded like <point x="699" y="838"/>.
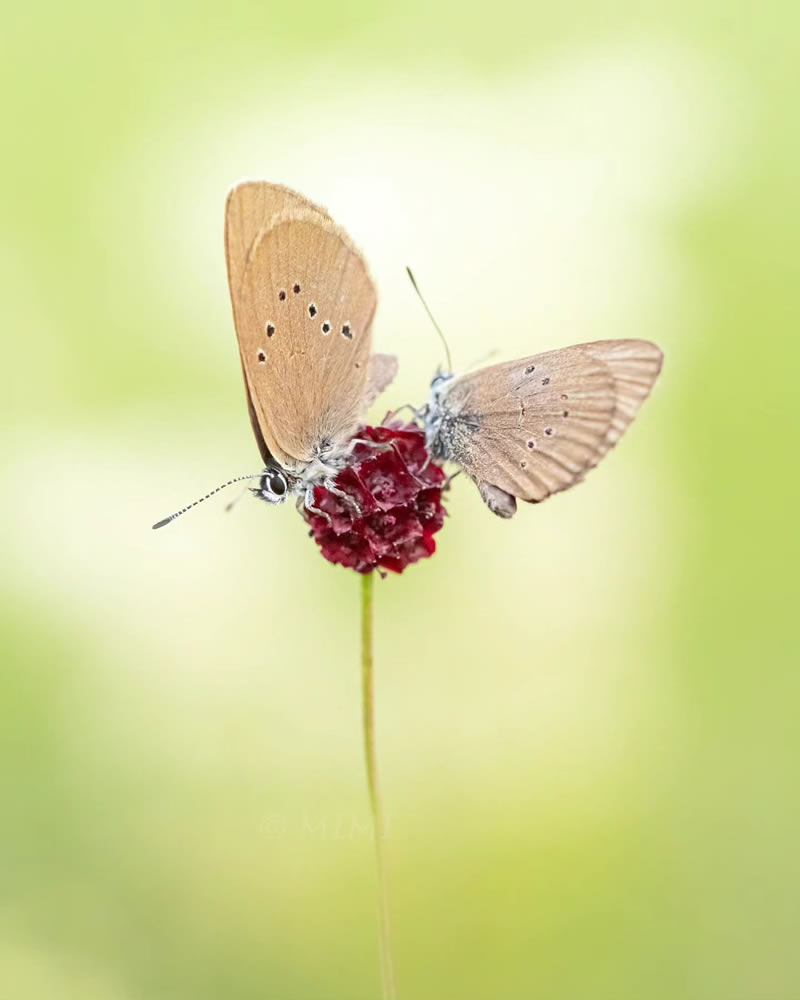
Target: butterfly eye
<point x="277" y="483"/>
<point x="273" y="486"/>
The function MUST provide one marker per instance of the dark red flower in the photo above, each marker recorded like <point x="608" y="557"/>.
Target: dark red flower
<point x="393" y="504"/>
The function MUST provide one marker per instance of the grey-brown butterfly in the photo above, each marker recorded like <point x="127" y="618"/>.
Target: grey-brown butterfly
<point x="303" y="305"/>
<point x="527" y="429"/>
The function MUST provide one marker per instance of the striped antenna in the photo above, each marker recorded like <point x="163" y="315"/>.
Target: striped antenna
<point x="238" y="479"/>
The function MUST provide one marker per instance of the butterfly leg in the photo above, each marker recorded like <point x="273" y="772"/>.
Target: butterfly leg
<point x="405" y="406"/>
<point x="389" y="446"/>
<point x="376" y="445"/>
<point x="350" y="500"/>
<point x="404" y="463"/>
<point x="306" y="502"/>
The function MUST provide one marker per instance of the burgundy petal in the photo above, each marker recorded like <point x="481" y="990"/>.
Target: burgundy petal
<point x="394" y="506"/>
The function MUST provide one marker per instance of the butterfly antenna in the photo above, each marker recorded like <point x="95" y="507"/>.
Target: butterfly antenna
<point x="435" y="324"/>
<point x="238" y="479"/>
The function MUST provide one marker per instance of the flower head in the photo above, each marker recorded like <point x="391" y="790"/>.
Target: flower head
<point x="386" y="505"/>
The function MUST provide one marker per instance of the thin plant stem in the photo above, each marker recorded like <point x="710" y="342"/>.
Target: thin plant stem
<point x="368" y="699"/>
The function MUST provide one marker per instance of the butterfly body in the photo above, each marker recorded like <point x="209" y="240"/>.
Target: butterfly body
<point x="530" y="428"/>
<point x="449" y="425"/>
<point x="277" y="484"/>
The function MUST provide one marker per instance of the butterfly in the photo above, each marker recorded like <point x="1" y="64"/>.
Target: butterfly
<point x="527" y="429"/>
<point x="303" y="304"/>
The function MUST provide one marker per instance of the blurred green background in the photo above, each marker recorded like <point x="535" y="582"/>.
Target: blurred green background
<point x="587" y="717"/>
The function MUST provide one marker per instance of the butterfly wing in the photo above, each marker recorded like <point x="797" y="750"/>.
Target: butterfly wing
<point x="303" y="305"/>
<point x="250" y="207"/>
<point x="533" y="427"/>
<point x="381" y="373"/>
<point x="635" y="365"/>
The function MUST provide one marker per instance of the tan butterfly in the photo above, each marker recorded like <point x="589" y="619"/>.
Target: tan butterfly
<point x="527" y="429"/>
<point x="303" y="305"/>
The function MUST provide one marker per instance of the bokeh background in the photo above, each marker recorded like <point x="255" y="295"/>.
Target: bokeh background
<point x="588" y="716"/>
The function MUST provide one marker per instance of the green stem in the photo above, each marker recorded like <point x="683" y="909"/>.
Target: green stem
<point x="368" y="699"/>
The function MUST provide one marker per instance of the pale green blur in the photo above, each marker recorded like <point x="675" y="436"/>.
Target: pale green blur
<point x="587" y="717"/>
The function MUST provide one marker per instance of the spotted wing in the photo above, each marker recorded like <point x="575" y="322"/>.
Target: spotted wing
<point x="534" y="427"/>
<point x="303" y="304"/>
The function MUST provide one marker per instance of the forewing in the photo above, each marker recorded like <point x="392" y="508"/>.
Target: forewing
<point x="534" y="427"/>
<point x="250" y="208"/>
<point x="303" y="314"/>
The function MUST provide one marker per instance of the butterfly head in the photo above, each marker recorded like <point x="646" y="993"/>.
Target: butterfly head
<point x="440" y="385"/>
<point x="274" y="486"/>
<point x="433" y="412"/>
